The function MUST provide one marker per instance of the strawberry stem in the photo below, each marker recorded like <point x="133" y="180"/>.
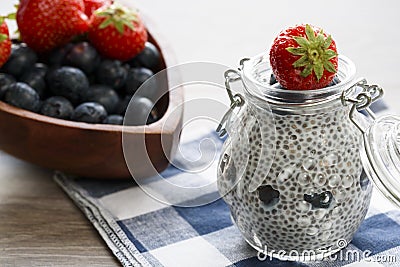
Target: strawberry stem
<point x="117" y="16"/>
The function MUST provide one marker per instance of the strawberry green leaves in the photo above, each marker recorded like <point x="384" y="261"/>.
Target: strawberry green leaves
<point x="314" y="53"/>
<point x="118" y="17"/>
<point x="3" y="37"/>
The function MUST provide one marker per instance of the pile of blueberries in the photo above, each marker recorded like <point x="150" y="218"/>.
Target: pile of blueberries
<point x="75" y="83"/>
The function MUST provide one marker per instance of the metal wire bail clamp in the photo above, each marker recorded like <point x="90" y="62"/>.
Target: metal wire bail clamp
<point x="237" y="100"/>
<point x="368" y="95"/>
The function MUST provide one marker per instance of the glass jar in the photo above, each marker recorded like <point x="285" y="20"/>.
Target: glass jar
<point x="290" y="169"/>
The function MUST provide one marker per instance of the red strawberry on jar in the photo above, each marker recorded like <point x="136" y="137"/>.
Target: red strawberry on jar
<point x="304" y="58"/>
<point x="46" y="24"/>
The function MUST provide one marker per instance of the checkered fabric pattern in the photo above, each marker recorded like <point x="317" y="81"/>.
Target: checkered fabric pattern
<point x="141" y="231"/>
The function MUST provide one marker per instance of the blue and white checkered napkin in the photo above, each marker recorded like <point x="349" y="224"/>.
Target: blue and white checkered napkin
<point x="141" y="231"/>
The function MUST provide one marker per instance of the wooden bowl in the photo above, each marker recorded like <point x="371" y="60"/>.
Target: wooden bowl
<point x="93" y="150"/>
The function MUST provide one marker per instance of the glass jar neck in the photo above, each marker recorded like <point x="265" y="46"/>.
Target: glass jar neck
<point x="256" y="73"/>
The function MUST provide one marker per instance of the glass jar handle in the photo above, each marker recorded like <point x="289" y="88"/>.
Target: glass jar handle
<point x="237" y="100"/>
<point x="368" y="95"/>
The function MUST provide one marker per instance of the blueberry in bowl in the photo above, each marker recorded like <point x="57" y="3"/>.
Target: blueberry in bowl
<point x="57" y="107"/>
<point x="114" y="119"/>
<point x="90" y="112"/>
<point x="135" y="78"/>
<point x="104" y="95"/>
<point x="21" y="59"/>
<point x="83" y="56"/>
<point x="149" y="58"/>
<point x="5" y="80"/>
<point x="35" y="78"/>
<point x="23" y="96"/>
<point x="68" y="82"/>
<point x="112" y="73"/>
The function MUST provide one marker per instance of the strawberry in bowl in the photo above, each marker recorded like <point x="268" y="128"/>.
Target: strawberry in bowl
<point x="117" y="32"/>
<point x="304" y="57"/>
<point x="47" y="24"/>
<point x="5" y="42"/>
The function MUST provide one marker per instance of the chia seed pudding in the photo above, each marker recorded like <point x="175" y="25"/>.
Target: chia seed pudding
<point x="290" y="170"/>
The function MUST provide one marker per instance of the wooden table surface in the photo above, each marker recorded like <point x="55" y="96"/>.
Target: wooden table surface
<point x="40" y="226"/>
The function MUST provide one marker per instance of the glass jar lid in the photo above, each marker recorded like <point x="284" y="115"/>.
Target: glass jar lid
<point x="256" y="73"/>
<point x="380" y="155"/>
